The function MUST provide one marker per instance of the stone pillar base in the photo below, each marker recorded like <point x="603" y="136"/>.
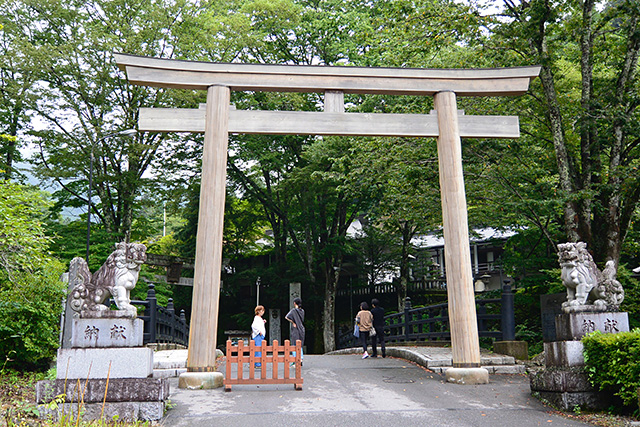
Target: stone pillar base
<point x="200" y="380"/>
<point x="128" y="399"/>
<point x="568" y="387"/>
<point x="585" y="400"/>
<point x="467" y="376"/>
<point x="122" y="411"/>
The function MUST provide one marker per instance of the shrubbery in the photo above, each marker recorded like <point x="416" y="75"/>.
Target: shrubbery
<point x="613" y="363"/>
<point x="30" y="288"/>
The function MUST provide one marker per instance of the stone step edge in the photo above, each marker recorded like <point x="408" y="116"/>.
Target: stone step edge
<point x="168" y="373"/>
<point x="442" y="364"/>
<point x="501" y="369"/>
<point x="163" y="364"/>
<point x="125" y="411"/>
<point x="93" y="390"/>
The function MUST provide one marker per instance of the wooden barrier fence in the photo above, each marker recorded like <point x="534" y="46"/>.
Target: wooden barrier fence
<point x="275" y="358"/>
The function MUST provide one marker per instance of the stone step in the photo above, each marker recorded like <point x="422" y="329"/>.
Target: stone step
<point x="493" y="369"/>
<point x="439" y="359"/>
<point x="114" y="362"/>
<point x="170" y="359"/>
<point x="168" y="373"/>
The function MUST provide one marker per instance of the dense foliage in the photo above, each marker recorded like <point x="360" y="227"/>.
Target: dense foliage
<point x="572" y="175"/>
<point x="613" y="363"/>
<point x="31" y="291"/>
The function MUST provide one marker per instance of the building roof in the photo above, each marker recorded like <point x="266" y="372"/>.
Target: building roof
<point x="476" y="235"/>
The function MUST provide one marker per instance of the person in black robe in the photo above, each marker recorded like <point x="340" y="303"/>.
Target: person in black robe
<point x="296" y="317"/>
<point x="378" y="324"/>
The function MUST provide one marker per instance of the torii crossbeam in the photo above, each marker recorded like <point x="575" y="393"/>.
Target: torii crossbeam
<point x="218" y="119"/>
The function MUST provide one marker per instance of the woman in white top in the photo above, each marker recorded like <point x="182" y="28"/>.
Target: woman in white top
<point x="258" y="330"/>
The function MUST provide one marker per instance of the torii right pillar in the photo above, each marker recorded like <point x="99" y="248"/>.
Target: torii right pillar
<point x="462" y="306"/>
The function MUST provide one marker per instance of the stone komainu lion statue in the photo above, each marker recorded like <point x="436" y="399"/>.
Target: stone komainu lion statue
<point x="117" y="276"/>
<point x="588" y="289"/>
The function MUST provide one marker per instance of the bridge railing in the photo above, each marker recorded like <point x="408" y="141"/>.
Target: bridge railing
<point x="162" y="324"/>
<point x="495" y="317"/>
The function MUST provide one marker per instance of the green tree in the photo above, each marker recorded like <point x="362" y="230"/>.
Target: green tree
<point x="587" y="96"/>
<point x="294" y="32"/>
<point x="18" y="77"/>
<point x="402" y="177"/>
<point x="81" y="100"/>
<point x="31" y="291"/>
<point x="377" y="252"/>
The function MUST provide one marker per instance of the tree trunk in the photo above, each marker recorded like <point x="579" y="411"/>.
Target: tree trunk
<point x="615" y="218"/>
<point x="408" y="230"/>
<point x="565" y="169"/>
<point x="588" y="136"/>
<point x="329" y="313"/>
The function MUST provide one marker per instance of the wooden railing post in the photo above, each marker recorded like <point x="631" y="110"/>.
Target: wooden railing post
<point x="482" y="310"/>
<point x="407" y="317"/>
<point x="172" y="317"/>
<point x="507" y="312"/>
<point x="153" y="312"/>
<point x="184" y="328"/>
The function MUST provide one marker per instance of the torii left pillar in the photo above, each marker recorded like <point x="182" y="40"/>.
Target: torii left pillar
<point x="201" y="361"/>
<point x="462" y="305"/>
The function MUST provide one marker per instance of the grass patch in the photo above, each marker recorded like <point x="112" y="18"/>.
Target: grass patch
<point x="19" y="409"/>
<point x="18" y="397"/>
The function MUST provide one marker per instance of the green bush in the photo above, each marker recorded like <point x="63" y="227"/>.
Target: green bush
<point x="613" y="363"/>
<point x="30" y="318"/>
<point x="30" y="288"/>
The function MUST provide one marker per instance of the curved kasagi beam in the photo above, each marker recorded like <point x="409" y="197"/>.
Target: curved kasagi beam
<point x="180" y="74"/>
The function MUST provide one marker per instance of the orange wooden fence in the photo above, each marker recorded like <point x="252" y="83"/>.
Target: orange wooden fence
<point x="275" y="360"/>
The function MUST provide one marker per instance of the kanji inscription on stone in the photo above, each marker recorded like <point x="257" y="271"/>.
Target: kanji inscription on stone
<point x="117" y="332"/>
<point x="588" y="326"/>
<point x="91" y="332"/>
<point x="611" y="326"/>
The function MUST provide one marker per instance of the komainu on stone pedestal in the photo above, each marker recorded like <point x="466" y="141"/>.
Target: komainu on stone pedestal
<point x="588" y="289"/>
<point x="116" y="278"/>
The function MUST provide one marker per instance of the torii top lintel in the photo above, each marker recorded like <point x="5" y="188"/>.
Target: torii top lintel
<point x="296" y="78"/>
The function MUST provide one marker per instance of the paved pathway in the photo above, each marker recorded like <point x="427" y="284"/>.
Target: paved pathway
<point x="346" y="390"/>
<point x="438" y="359"/>
<point x="171" y="363"/>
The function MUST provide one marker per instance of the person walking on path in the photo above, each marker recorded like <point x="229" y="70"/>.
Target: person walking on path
<point x="258" y="330"/>
<point x="296" y="317"/>
<point x="365" y="323"/>
<point x="378" y="324"/>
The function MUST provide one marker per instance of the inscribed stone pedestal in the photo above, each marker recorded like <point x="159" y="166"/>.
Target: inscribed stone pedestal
<point x="107" y="333"/>
<point x="574" y="326"/>
<point x="123" y="362"/>
<point x="122" y="411"/>
<point x="563" y="353"/>
<point x="93" y="390"/>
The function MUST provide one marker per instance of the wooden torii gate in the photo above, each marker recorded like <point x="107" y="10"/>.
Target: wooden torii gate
<point x="219" y="119"/>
